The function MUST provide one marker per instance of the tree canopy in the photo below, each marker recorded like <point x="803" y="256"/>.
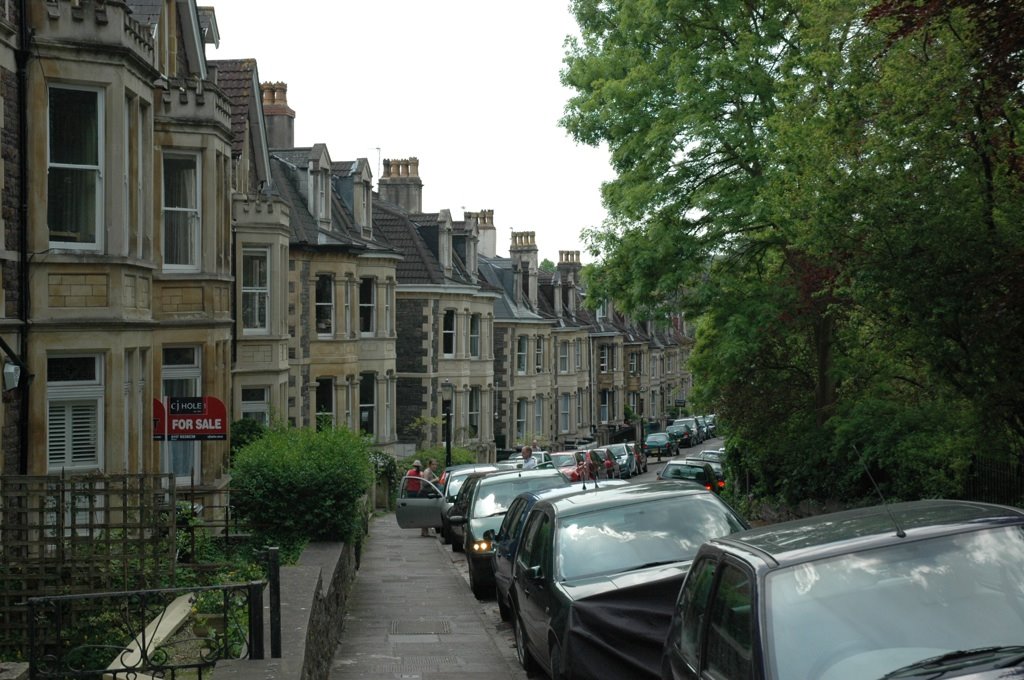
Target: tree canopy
<point x="833" y="188"/>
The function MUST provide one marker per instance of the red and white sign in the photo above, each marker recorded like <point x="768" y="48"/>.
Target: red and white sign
<point x="189" y="418"/>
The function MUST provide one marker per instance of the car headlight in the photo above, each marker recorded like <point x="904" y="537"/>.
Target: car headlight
<point x="481" y="546"/>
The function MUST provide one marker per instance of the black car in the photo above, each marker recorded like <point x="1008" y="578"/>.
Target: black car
<point x="596" y="574"/>
<point x="691" y="470"/>
<point x="691" y="424"/>
<point x="924" y="589"/>
<point x="681" y="435"/>
<point x="487" y="500"/>
<point x="506" y="538"/>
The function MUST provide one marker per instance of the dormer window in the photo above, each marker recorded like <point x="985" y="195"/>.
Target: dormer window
<point x="322" y="184"/>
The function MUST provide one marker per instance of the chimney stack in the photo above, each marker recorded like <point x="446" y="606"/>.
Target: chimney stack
<point x="569" y="272"/>
<point x="523" y="250"/>
<point x="280" y="117"/>
<point x="400" y="183"/>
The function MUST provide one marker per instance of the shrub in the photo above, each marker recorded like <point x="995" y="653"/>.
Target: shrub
<point x="296" y="485"/>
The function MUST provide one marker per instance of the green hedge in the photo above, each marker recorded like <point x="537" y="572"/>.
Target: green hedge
<point x="296" y="485"/>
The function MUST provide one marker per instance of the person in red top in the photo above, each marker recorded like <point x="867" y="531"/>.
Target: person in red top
<point x="412" y="486"/>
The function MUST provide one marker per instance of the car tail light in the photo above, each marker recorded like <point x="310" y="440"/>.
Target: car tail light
<point x="721" y="484"/>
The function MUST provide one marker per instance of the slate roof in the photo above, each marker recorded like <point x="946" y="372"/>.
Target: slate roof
<point x="497" y="271"/>
<point x="419" y="265"/>
<point x="236" y="77"/>
<point x="146" y="12"/>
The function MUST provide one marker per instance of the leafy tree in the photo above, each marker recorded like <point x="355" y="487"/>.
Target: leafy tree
<point x="547" y="265"/>
<point x="834" y="189"/>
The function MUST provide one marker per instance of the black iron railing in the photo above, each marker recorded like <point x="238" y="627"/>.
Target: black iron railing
<point x="165" y="633"/>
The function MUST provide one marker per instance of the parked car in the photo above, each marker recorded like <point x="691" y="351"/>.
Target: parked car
<point x="715" y="466"/>
<point x="595" y="570"/>
<point x="638" y="453"/>
<point x="924" y="589"/>
<point x="564" y="461"/>
<point x="711" y="455"/>
<point x="691" y="470"/>
<point x="460" y="508"/>
<point x="658" y="444"/>
<point x="702" y="427"/>
<point x="516" y="459"/>
<point x="694" y="428"/>
<point x="603" y="457"/>
<point x="484" y="508"/>
<point x="588" y="467"/>
<point x="450" y="483"/>
<point x="625" y="461"/>
<point x="506" y="538"/>
<point x="681" y="435"/>
<point x="419" y="503"/>
<point x="709" y="420"/>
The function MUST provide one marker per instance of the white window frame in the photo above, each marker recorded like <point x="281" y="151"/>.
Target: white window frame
<point x="96" y="244"/>
<point x="474" y="336"/>
<point x="634" y="362"/>
<point x="369" y="407"/>
<point x="449" y="320"/>
<point x="538" y="415"/>
<point x="258" y="408"/>
<point x="538" y="355"/>
<point x="579" y="354"/>
<point x="196" y="212"/>
<point x="522" y="347"/>
<point x="389" y="304"/>
<point x="69" y="401"/>
<point x="328" y="386"/>
<point x="324" y="305"/>
<point x="347" y="295"/>
<point x="579" y="407"/>
<point x="563" y="356"/>
<point x="563" y="412"/>
<point x="370" y="307"/>
<point x="521" y="406"/>
<point x="258" y="293"/>
<point x="192" y="372"/>
<point x="473" y="412"/>
<point x="604" y="364"/>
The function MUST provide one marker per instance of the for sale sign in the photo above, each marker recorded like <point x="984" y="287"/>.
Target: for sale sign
<point x="189" y="418"/>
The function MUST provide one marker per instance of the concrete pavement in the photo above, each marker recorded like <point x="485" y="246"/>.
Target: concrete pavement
<point x="412" y="616"/>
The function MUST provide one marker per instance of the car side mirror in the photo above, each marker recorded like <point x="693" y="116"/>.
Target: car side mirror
<point x="457" y="520"/>
<point x="536" y="574"/>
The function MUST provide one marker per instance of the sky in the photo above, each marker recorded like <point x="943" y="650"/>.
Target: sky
<point x="469" y="87"/>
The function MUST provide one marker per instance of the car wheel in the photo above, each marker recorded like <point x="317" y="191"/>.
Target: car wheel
<point x="479" y="585"/>
<point x="523" y="654"/>
<point x="445" y="536"/>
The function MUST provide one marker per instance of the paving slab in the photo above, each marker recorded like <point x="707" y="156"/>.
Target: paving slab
<point x="412" y="616"/>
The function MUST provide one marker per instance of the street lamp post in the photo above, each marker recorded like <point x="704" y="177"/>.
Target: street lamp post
<point x="447" y="393"/>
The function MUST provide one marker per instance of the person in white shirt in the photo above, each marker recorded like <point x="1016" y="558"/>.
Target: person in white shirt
<point x="529" y="462"/>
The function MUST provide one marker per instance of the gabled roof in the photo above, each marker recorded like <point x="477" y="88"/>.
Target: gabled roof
<point x="147" y="13"/>
<point x="235" y="77"/>
<point x="497" y="273"/>
<point x="419" y="266"/>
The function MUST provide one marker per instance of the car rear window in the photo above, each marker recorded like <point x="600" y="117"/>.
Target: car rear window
<point x="494" y="498"/>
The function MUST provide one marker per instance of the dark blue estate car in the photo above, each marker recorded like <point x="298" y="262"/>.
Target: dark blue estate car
<point x="595" y="576"/>
<point x="506" y="538"/>
<point x="926" y="589"/>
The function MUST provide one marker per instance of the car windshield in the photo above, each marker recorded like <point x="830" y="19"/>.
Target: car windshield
<point x="563" y="459"/>
<point x="901" y="604"/>
<point x="494" y="498"/>
<point x="626" y="537"/>
<point x="691" y="472"/>
<point x="656" y="438"/>
<point x="455" y="483"/>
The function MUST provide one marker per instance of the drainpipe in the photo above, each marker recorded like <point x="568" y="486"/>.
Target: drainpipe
<point x="22" y="56"/>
